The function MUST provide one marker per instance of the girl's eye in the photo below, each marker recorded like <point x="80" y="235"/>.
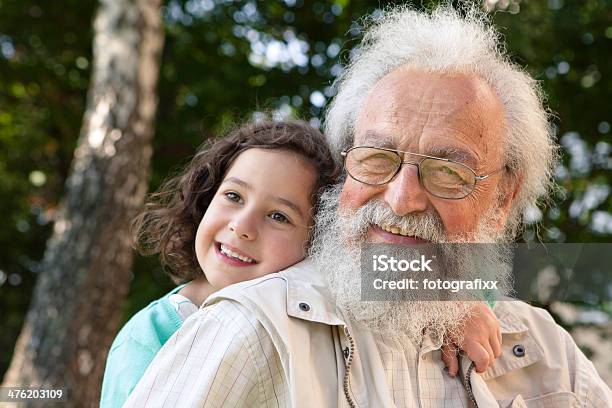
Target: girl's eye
<point x="235" y="197"/>
<point x="280" y="217"/>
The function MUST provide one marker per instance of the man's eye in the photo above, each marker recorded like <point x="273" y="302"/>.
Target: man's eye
<point x="280" y="217"/>
<point x="379" y="161"/>
<point x="450" y="171"/>
<point x="235" y="197"/>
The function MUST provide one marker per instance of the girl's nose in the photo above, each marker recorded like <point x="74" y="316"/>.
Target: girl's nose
<point x="243" y="228"/>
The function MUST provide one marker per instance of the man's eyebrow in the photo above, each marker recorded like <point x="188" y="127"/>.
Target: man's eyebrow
<point x="452" y="153"/>
<point x="372" y="138"/>
<point x="236" y="180"/>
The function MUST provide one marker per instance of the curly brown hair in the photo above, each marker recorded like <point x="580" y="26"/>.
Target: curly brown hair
<point x="168" y="222"/>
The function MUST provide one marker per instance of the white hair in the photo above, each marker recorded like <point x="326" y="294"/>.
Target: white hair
<point x="444" y="41"/>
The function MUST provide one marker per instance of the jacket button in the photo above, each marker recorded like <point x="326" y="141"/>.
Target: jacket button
<point x="518" y="350"/>
<point x="304" y="307"/>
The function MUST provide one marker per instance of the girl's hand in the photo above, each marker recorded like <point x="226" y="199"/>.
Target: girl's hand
<point x="481" y="341"/>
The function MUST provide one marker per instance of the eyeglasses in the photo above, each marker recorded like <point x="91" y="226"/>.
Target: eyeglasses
<point x="442" y="178"/>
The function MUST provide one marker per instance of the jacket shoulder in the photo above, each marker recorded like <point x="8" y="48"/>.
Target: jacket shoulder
<point x="272" y="286"/>
<point x="297" y="292"/>
<point x="524" y="311"/>
<point x="272" y="291"/>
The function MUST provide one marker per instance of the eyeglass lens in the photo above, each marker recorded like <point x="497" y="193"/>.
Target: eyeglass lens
<point x="441" y="178"/>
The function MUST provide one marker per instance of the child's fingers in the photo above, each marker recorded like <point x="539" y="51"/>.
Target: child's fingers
<point x="495" y="341"/>
<point x="449" y="356"/>
<point x="491" y="354"/>
<point x="479" y="355"/>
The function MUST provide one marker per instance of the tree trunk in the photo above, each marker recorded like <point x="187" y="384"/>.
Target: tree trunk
<point x="85" y="274"/>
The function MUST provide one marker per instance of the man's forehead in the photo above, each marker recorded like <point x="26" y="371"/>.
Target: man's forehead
<point x="455" y="117"/>
<point x="404" y="95"/>
<point x="414" y="82"/>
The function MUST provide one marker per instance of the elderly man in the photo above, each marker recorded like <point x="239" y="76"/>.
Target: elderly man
<point x="444" y="140"/>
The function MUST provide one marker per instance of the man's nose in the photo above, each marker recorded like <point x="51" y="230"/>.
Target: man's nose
<point x="244" y="225"/>
<point x="404" y="194"/>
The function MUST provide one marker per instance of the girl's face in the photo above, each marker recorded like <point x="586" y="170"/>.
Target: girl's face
<point x="259" y="219"/>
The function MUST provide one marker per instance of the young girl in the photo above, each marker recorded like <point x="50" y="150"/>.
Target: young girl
<point x="241" y="209"/>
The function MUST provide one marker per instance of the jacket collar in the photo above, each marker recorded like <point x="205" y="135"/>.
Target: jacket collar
<point x="508" y="321"/>
<point x="307" y="295"/>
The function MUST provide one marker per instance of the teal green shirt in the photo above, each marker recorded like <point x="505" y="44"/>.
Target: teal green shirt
<point x="135" y="347"/>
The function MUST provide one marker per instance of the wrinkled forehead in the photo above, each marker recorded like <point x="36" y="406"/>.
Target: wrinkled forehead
<point x="457" y="117"/>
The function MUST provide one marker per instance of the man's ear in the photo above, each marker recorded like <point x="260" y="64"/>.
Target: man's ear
<point x="509" y="188"/>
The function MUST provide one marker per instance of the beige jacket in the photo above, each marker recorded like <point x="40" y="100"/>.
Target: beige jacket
<point x="286" y="321"/>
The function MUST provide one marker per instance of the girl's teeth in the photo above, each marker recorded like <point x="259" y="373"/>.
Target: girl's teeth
<point x="232" y="254"/>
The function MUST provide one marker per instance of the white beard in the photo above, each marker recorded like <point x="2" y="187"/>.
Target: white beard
<point x="336" y="251"/>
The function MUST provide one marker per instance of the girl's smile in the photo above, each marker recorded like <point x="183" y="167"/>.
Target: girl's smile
<point x="233" y="256"/>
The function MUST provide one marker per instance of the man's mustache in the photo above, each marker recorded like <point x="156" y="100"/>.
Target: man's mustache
<point x="425" y="225"/>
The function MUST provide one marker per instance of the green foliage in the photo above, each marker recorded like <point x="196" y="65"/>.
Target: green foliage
<point x="44" y="74"/>
<point x="221" y="61"/>
<point x="567" y="48"/>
